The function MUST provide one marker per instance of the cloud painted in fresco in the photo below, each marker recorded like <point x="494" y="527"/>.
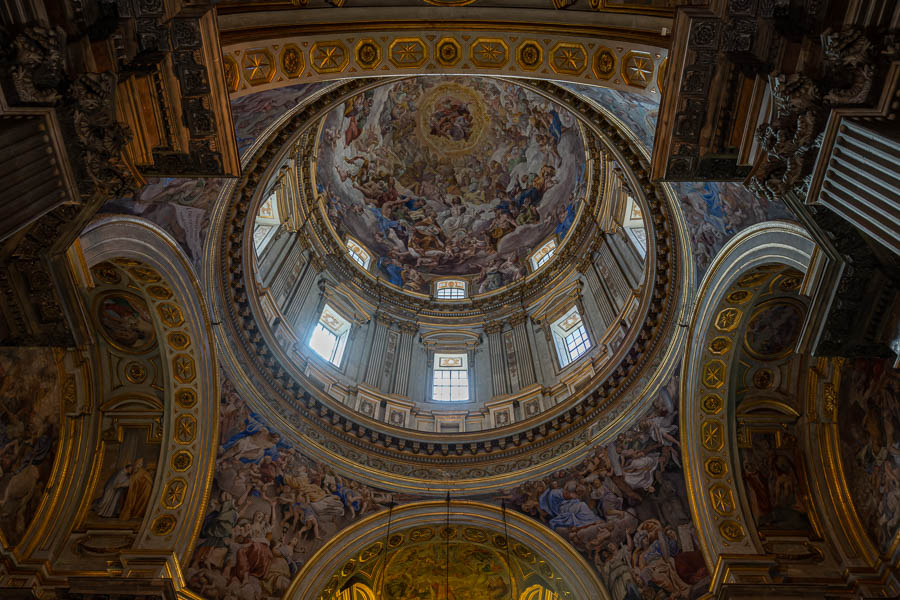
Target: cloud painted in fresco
<point x="456" y="176"/>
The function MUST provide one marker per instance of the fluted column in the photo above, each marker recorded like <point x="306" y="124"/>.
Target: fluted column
<point x="288" y="272"/>
<point x="519" y="323"/>
<point x="598" y="291"/>
<point x="294" y="305"/>
<point x="612" y="277"/>
<point x="860" y="183"/>
<point x="626" y="257"/>
<point x="499" y="375"/>
<point x="375" y="367"/>
<point x="404" y="357"/>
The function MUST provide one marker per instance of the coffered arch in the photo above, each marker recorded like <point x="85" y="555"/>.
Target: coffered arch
<point x="186" y="385"/>
<point x="760" y="423"/>
<point x="268" y="49"/>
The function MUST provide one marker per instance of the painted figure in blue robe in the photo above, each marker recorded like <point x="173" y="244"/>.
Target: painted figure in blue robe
<point x="565" y="508"/>
<point x="567" y="217"/>
<point x="555" y="125"/>
<point x="715" y="213"/>
<point x="392" y="270"/>
<point x="251" y="444"/>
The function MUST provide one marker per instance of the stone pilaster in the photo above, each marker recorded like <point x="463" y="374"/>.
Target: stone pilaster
<point x="404" y="356"/>
<point x="496" y="350"/>
<point x="375" y="366"/>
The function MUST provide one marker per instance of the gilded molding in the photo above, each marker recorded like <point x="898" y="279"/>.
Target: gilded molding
<point x="568" y="52"/>
<point x="406" y="453"/>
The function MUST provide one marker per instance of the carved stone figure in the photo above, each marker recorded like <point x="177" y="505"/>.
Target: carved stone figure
<point x="790" y="141"/>
<point x="849" y="51"/>
<point x="40" y="68"/>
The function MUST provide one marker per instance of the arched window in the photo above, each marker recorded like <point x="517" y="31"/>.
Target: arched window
<point x="356" y="251"/>
<point x="450" y="289"/>
<point x="267" y="222"/>
<point x="634" y="226"/>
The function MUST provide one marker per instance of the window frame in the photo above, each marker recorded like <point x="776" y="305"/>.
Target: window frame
<point x="633" y="221"/>
<point x="273" y="222"/>
<point x="363" y="258"/>
<point x="573" y="342"/>
<point x="442" y="285"/>
<point x="341" y="335"/>
<point x="537" y="263"/>
<point x="451" y="383"/>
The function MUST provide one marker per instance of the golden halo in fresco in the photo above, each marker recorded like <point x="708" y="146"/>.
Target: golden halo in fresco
<point x="451" y="120"/>
<point x="125" y="322"/>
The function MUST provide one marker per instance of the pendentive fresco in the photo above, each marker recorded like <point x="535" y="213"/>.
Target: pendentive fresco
<point x="869" y="427"/>
<point x="624" y="507"/>
<point x="30" y="406"/>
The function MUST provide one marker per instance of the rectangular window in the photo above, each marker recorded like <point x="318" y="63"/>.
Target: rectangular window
<point x="634" y="227"/>
<point x="570" y="337"/>
<point x="543" y="254"/>
<point x="451" y="378"/>
<point x="329" y="337"/>
<point x="358" y="253"/>
<point x="577" y="342"/>
<point x="638" y="237"/>
<point x="450" y="289"/>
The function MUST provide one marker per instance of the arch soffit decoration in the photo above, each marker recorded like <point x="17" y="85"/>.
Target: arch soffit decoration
<point x="191" y="424"/>
<point x="225" y="251"/>
<point x="564" y="563"/>
<point x="274" y="52"/>
<point x="709" y="459"/>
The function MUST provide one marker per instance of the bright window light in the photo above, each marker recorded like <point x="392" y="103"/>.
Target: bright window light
<point x="577" y="342"/>
<point x="543" y="254"/>
<point x="329" y="337"/>
<point x="634" y="227"/>
<point x="451" y="378"/>
<point x="450" y="289"/>
<point x="266" y="223"/>
<point x="358" y="253"/>
<point x="638" y="237"/>
<point x="570" y="336"/>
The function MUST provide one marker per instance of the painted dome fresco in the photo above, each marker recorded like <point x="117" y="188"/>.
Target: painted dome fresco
<point x="451" y="176"/>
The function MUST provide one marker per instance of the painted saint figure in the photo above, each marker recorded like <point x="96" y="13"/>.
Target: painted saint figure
<point x="110" y="504"/>
<point x="139" y="486"/>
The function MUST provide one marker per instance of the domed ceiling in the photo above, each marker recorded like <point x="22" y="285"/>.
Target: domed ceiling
<point x="451" y="176"/>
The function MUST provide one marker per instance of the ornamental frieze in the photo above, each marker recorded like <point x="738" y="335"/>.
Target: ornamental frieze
<point x="272" y="63"/>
